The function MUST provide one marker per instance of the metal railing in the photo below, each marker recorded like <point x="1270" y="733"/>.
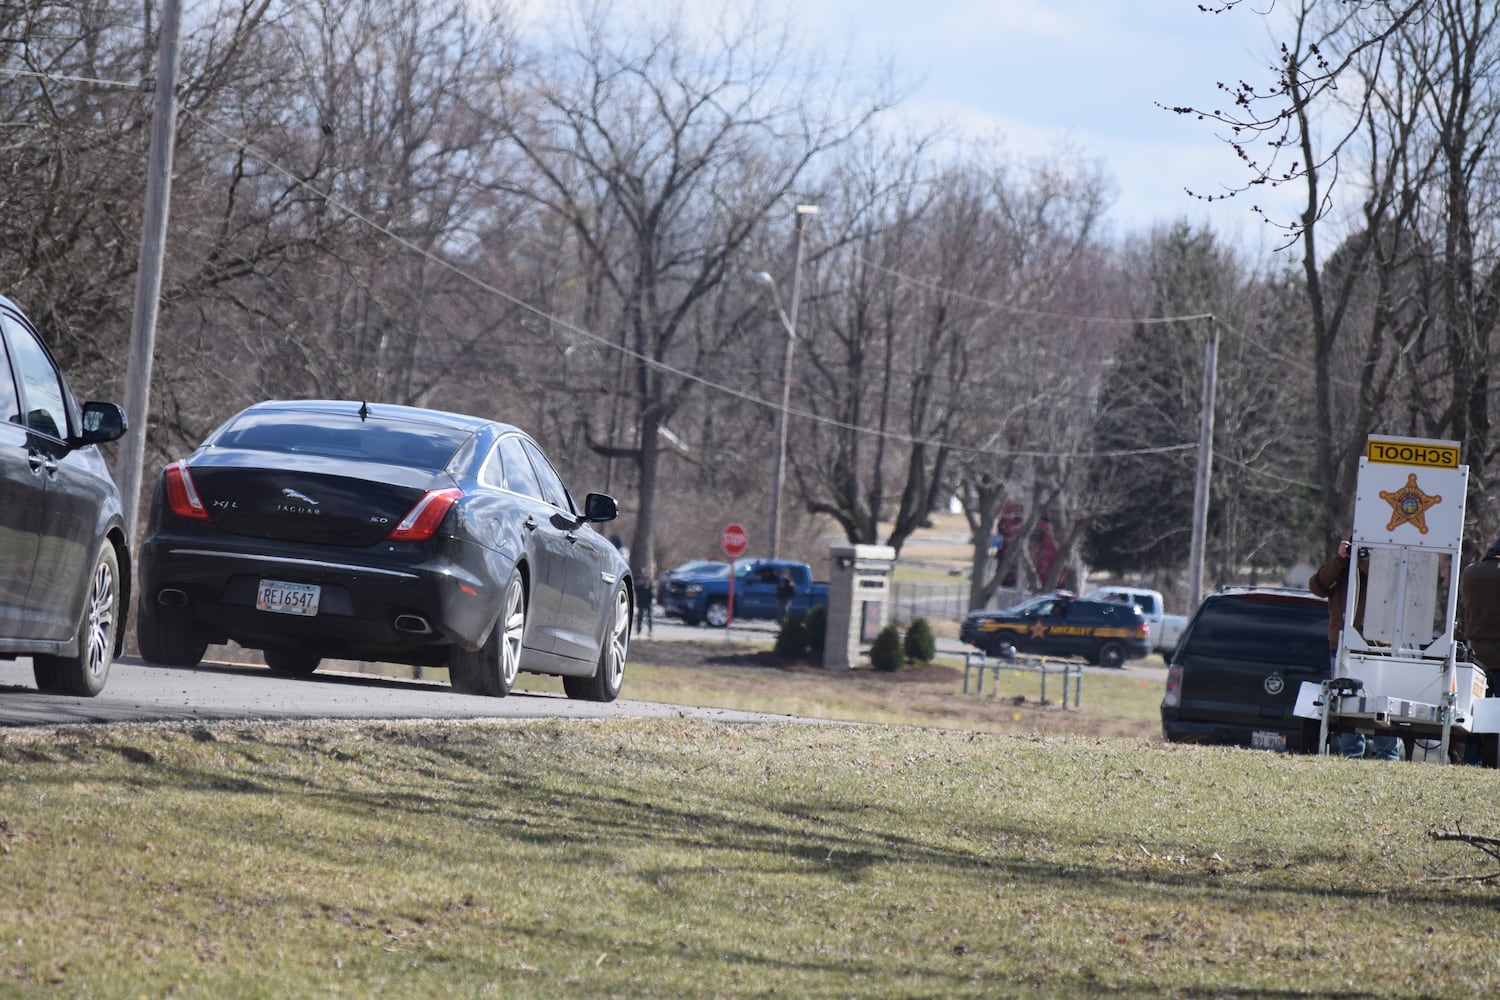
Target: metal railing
<point x="978" y="663"/>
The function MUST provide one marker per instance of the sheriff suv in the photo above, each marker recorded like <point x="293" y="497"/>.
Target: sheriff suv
<point x="1235" y="676"/>
<point x="1102" y="632"/>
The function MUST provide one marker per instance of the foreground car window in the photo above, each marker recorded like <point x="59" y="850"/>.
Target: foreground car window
<point x="46" y="413"/>
<point x="10" y="403"/>
<point x="332" y="436"/>
<point x="1291" y="632"/>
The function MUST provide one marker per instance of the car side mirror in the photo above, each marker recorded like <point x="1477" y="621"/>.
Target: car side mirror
<point x="600" y="507"/>
<point x="102" y="422"/>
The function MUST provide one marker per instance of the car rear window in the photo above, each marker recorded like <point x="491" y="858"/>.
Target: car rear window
<point x="1266" y="629"/>
<point x="402" y="443"/>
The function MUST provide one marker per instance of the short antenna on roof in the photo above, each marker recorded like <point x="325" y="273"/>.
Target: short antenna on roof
<point x="364" y="411"/>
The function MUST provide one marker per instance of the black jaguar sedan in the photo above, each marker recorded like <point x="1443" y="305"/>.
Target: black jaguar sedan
<point x="324" y="529"/>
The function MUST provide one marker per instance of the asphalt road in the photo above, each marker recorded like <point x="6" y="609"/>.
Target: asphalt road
<point x="217" y="691"/>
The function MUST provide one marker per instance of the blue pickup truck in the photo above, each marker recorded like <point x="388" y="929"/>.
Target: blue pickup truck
<point x="705" y="597"/>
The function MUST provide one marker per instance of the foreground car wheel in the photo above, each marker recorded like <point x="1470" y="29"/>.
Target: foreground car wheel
<point x="717" y="614"/>
<point x="491" y="669"/>
<point x="609" y="675"/>
<point x="84" y="674"/>
<point x="165" y="641"/>
<point x="291" y="660"/>
<point x="1111" y="655"/>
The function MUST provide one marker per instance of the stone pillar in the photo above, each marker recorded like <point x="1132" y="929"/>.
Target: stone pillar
<point x="858" y="584"/>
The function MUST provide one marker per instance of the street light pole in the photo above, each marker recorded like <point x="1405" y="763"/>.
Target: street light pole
<point x="1199" y="539"/>
<point x="790" y="323"/>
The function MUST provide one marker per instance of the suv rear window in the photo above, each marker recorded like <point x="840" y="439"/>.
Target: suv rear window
<point x="1266" y="629"/>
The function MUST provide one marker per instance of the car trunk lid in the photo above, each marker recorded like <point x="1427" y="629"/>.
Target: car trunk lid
<point x="308" y="498"/>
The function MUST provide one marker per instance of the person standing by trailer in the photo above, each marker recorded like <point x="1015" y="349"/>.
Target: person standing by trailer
<point x="1332" y="581"/>
<point x="1479" y="598"/>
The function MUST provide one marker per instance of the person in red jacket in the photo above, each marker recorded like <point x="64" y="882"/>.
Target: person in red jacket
<point x="1332" y="581"/>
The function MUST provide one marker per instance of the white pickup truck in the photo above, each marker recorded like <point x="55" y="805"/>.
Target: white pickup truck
<point x="1165" y="629"/>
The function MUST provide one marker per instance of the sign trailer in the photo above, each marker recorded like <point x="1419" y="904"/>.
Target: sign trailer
<point x="1400" y="675"/>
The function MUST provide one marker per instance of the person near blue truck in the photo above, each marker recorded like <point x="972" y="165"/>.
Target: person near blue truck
<point x="769" y="589"/>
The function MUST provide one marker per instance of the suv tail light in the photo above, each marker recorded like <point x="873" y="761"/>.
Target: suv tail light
<point x="421" y="522"/>
<point x="1173" y="697"/>
<point x="182" y="495"/>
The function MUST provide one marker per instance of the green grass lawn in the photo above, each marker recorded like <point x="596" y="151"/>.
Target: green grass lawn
<point x="680" y="858"/>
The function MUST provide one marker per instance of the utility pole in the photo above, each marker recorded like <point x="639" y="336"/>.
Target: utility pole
<point x="803" y="211"/>
<point x="1205" y="464"/>
<point x="148" y="274"/>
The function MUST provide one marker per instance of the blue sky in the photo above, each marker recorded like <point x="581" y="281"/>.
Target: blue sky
<point x="1043" y="75"/>
<point x="1085" y="73"/>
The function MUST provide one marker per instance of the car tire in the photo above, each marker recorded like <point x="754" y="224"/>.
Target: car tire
<point x="1110" y="654"/>
<point x="491" y="670"/>
<point x="609" y="676"/>
<point x="162" y="640"/>
<point x="291" y="660"/>
<point x="716" y="615"/>
<point x="84" y="673"/>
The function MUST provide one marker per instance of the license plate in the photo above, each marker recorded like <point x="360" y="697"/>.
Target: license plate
<point x="1261" y="739"/>
<point x="287" y="598"/>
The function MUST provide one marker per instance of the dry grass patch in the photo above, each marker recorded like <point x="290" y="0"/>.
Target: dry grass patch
<point x="675" y="858"/>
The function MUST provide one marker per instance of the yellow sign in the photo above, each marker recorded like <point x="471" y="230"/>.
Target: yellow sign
<point x="1412" y="451"/>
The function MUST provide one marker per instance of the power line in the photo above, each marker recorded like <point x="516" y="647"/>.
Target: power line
<point x="662" y="366"/>
<point x="557" y="321"/>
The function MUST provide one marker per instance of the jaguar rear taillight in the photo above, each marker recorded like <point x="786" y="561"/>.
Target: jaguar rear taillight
<point x="421" y="522"/>
<point x="182" y="495"/>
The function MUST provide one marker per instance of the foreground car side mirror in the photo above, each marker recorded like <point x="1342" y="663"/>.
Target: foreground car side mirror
<point x="600" y="507"/>
<point x="101" y="422"/>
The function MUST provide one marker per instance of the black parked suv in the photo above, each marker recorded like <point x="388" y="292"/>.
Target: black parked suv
<point x="1102" y="632"/>
<point x="1235" y="676"/>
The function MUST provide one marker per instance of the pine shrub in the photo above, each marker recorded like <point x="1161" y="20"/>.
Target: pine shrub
<point x="791" y="641"/>
<point x="919" y="643"/>
<point x="885" y="651"/>
<point x="817" y="629"/>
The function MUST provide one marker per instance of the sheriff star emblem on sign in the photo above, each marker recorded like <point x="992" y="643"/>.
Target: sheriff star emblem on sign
<point x="1409" y="505"/>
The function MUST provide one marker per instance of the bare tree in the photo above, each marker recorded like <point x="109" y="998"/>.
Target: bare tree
<point x="663" y="150"/>
<point x="1402" y="89"/>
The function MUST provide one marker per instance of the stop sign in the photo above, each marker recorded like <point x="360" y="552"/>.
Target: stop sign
<point x="734" y="541"/>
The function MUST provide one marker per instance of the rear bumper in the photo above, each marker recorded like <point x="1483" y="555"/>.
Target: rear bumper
<point x="361" y="600"/>
<point x="1300" y="735"/>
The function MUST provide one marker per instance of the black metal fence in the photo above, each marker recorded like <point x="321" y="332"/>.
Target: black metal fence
<point x="933" y="601"/>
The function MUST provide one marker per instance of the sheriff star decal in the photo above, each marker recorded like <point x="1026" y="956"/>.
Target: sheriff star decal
<point x="1409" y="505"/>
<point x="1038" y="630"/>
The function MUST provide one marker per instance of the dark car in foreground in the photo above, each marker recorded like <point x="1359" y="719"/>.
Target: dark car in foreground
<point x="64" y="561"/>
<point x="1102" y="632"/>
<point x="1236" y="674"/>
<point x="321" y="529"/>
